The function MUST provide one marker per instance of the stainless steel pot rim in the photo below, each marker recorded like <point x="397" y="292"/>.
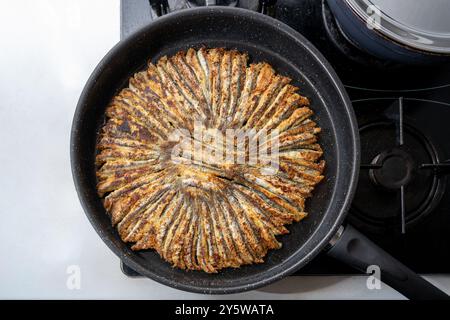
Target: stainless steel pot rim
<point x="411" y="36"/>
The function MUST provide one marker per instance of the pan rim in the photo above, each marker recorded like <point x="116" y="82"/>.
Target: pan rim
<point x="330" y="73"/>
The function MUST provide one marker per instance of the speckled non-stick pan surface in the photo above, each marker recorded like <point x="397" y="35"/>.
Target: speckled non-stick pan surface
<point x="265" y="39"/>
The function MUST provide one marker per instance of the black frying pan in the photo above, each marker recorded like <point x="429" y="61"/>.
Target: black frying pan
<point x="265" y="39"/>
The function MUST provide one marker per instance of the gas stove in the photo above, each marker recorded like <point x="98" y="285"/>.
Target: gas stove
<point x="402" y="201"/>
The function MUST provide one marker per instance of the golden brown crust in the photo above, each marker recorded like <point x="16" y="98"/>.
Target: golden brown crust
<point x="196" y="213"/>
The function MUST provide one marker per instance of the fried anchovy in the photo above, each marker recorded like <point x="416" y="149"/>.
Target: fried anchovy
<point x="170" y="185"/>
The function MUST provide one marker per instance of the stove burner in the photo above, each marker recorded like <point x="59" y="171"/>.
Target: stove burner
<point x="395" y="169"/>
<point x="346" y="46"/>
<point x="199" y="3"/>
<point x="163" y="7"/>
<point x="395" y="189"/>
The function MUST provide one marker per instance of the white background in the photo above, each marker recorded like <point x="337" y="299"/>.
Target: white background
<point x="48" y="49"/>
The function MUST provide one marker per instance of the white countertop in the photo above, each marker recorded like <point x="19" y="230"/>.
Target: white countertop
<point x="49" y="48"/>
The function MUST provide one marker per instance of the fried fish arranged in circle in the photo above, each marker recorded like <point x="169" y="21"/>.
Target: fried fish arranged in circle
<point x="202" y="203"/>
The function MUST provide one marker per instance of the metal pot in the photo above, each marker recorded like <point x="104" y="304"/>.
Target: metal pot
<point x="405" y="31"/>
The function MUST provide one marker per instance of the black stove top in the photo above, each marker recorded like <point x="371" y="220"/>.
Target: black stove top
<point x="402" y="202"/>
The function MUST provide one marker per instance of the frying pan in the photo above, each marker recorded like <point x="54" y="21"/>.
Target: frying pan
<point x="265" y="39"/>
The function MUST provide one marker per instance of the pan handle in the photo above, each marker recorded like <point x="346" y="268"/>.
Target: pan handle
<point x="354" y="249"/>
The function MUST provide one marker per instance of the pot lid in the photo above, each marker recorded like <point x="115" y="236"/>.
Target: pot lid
<point x="423" y="25"/>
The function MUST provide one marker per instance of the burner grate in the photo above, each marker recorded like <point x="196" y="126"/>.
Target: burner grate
<point x="394" y="167"/>
<point x="394" y="183"/>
